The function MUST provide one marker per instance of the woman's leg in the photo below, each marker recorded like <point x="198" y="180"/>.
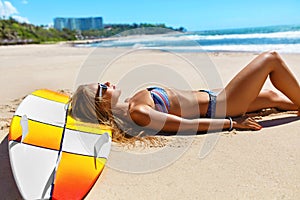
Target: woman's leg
<point x="271" y="99"/>
<point x="245" y="87"/>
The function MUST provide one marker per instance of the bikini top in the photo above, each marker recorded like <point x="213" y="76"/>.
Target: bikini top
<point x="160" y="99"/>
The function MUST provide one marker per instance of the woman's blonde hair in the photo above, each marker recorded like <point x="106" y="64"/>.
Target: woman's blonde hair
<point x="87" y="107"/>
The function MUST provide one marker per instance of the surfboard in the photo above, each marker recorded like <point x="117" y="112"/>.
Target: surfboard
<point x="52" y="155"/>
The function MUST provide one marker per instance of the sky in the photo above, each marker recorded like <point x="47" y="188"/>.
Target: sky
<point x="191" y="14"/>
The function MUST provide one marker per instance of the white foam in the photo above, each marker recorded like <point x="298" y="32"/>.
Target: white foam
<point x="282" y="48"/>
<point x="287" y="35"/>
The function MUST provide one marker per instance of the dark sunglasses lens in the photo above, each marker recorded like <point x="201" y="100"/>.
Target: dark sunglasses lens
<point x="101" y="89"/>
<point x="103" y="86"/>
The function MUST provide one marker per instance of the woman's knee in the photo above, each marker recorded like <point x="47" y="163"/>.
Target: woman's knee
<point x="270" y="59"/>
<point x="271" y="95"/>
<point x="270" y="56"/>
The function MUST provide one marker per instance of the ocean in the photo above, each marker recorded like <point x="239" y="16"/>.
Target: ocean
<point x="284" y="39"/>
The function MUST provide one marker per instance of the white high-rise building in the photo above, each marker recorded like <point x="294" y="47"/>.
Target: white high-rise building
<point x="81" y="24"/>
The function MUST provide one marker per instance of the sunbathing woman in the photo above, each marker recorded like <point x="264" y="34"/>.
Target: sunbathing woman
<point x="171" y="110"/>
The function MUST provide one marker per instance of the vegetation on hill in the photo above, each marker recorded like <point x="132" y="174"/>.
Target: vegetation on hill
<point x="129" y="29"/>
<point x="14" y="32"/>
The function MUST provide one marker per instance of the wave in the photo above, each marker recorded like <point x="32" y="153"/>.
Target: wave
<point x="286" y="35"/>
<point x="281" y="48"/>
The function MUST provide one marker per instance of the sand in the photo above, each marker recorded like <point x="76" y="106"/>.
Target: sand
<point x="240" y="164"/>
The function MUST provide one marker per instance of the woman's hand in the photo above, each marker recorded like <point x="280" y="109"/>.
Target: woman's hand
<point x="247" y="123"/>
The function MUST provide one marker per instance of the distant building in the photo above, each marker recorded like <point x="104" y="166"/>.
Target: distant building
<point x="81" y="24"/>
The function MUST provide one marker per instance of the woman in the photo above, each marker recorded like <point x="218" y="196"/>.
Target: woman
<point x="169" y="110"/>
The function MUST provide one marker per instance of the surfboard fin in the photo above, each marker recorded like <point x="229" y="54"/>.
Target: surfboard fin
<point x="24" y="125"/>
<point x="103" y="139"/>
<point x="49" y="184"/>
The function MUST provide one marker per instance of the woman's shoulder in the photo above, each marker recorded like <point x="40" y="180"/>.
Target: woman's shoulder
<point x="141" y="96"/>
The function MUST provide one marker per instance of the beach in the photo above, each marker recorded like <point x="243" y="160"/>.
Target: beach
<point x="261" y="164"/>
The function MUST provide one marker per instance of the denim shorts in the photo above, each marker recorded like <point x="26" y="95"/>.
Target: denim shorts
<point x="211" y="110"/>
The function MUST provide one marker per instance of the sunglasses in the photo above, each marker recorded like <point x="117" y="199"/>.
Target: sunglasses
<point x="100" y="90"/>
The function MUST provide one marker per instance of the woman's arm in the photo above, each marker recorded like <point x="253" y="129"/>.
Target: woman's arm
<point x="148" y="117"/>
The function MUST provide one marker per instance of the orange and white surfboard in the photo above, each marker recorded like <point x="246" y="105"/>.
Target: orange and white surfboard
<point x="53" y="156"/>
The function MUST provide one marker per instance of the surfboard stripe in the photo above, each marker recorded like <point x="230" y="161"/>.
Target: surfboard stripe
<point x="76" y="175"/>
<point x="39" y="134"/>
<point x="82" y="143"/>
<point x="51" y="95"/>
<point x="86" y="127"/>
<point x="42" y="110"/>
<point x="27" y="159"/>
<point x="38" y="121"/>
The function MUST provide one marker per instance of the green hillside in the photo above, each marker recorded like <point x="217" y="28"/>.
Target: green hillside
<point x="13" y="32"/>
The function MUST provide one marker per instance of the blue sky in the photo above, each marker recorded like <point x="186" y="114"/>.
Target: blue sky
<point x="191" y="14"/>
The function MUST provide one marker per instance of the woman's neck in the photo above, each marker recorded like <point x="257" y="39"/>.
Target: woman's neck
<point x="121" y="109"/>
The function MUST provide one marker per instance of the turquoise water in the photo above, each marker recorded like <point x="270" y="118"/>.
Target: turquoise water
<point x="284" y="39"/>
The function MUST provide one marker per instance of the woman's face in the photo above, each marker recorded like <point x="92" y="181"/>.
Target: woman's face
<point x="110" y="93"/>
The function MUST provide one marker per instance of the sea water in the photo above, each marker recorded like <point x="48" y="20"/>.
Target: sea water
<point x="284" y="39"/>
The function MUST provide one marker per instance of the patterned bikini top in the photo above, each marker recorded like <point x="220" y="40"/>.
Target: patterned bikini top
<point x="160" y="99"/>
